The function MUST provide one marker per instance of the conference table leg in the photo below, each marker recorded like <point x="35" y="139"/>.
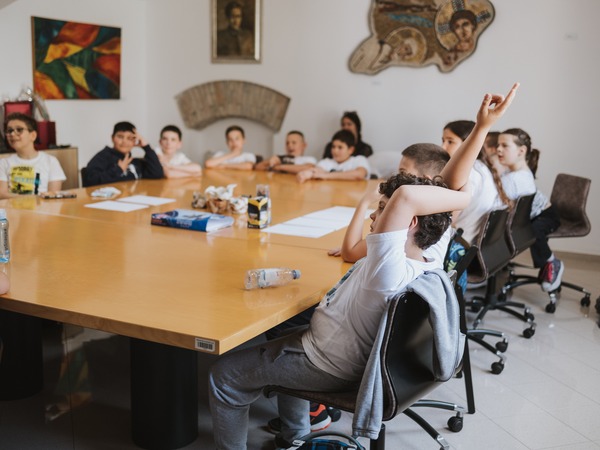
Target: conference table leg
<point x="22" y="363"/>
<point x="164" y="395"/>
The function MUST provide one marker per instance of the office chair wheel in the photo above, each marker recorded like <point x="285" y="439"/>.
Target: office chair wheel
<point x="497" y="367"/>
<point x="550" y="308"/>
<point x="585" y="301"/>
<point x="529" y="317"/>
<point x="455" y="423"/>
<point x="475" y="308"/>
<point x="529" y="332"/>
<point x="501" y="346"/>
<point x="598" y="305"/>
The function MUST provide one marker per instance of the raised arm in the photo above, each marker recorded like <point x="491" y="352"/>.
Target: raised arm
<point x="354" y="246"/>
<point x="493" y="106"/>
<point x="410" y="201"/>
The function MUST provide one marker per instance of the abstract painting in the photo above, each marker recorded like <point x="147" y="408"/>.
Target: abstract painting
<point x="419" y="33"/>
<point x="75" y="60"/>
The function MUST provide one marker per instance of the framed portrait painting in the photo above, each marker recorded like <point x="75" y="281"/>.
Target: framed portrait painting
<point x="236" y="31"/>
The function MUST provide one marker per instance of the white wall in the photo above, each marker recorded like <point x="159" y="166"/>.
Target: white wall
<point x="550" y="46"/>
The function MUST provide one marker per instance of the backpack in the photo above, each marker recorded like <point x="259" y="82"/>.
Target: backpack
<point x="317" y="441"/>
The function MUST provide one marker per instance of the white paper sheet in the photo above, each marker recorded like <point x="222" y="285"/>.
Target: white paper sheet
<point x="316" y="224"/>
<point x="111" y="205"/>
<point x="291" y="230"/>
<point x="146" y="200"/>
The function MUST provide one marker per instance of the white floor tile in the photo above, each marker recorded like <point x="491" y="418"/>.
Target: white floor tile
<point x="540" y="430"/>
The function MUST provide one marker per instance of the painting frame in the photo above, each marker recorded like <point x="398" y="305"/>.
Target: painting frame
<point x="236" y="31"/>
<point x="74" y="60"/>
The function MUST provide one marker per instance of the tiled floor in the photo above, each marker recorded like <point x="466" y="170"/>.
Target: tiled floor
<point x="547" y="397"/>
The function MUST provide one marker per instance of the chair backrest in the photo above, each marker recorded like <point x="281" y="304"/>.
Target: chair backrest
<point x="494" y="250"/>
<point x="406" y="354"/>
<point x="84" y="181"/>
<point x="520" y="233"/>
<point x="569" y="198"/>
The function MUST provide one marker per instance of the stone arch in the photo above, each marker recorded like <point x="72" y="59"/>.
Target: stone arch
<point x="207" y="103"/>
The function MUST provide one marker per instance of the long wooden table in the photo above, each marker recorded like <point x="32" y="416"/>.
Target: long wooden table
<point x="173" y="291"/>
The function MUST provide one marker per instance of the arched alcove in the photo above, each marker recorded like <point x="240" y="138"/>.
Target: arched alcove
<point x="207" y="103"/>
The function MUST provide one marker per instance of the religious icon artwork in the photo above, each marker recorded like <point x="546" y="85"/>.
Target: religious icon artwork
<point x="74" y="60"/>
<point x="417" y="33"/>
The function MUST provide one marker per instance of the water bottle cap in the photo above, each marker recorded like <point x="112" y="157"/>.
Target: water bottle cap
<point x="296" y="274"/>
<point x="2" y="214"/>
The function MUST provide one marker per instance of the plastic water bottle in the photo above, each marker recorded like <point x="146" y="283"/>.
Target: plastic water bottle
<point x="4" y="244"/>
<point x="263" y="278"/>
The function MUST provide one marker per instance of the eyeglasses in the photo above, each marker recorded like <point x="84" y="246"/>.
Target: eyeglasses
<point x="18" y="131"/>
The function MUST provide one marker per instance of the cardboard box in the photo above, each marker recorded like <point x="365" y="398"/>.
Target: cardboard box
<point x="258" y="212"/>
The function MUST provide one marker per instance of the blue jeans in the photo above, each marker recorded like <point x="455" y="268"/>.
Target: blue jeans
<point x="237" y="379"/>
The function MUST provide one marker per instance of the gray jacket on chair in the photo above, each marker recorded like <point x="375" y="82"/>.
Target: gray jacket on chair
<point x="444" y="316"/>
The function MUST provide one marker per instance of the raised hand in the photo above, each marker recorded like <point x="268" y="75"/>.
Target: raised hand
<point x="494" y="106"/>
<point x="124" y="163"/>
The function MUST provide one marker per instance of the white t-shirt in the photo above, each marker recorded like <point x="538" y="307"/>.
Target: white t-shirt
<point x="354" y="162"/>
<point x="521" y="182"/>
<point x="178" y="158"/>
<point x="484" y="198"/>
<point x="344" y="325"/>
<point x="242" y="158"/>
<point x="30" y="176"/>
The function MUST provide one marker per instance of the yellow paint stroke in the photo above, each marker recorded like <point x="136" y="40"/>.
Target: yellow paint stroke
<point x="78" y="75"/>
<point x="62" y="50"/>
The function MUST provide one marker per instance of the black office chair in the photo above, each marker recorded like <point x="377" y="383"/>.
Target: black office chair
<point x="406" y="367"/>
<point x="84" y="180"/>
<point x="519" y="235"/>
<point x="476" y="335"/>
<point x="569" y="198"/>
<point x="492" y="260"/>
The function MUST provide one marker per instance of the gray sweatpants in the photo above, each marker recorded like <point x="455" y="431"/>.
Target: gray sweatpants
<point x="237" y="379"/>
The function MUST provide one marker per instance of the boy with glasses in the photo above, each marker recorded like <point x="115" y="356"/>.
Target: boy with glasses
<point x="27" y="172"/>
<point x="114" y="164"/>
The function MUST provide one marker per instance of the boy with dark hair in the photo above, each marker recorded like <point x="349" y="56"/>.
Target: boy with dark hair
<point x="424" y="160"/>
<point x="342" y="165"/>
<point x="114" y="164"/>
<point x="294" y="160"/>
<point x="331" y="354"/>
<point x="27" y="171"/>
<point x="236" y="157"/>
<point x="175" y="164"/>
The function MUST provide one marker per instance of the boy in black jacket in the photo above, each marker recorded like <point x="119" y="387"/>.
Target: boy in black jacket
<point x="113" y="164"/>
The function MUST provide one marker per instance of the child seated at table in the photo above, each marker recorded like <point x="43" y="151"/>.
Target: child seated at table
<point x="421" y="160"/>
<point x="520" y="159"/>
<point x="114" y="164"/>
<point x="294" y="160"/>
<point x="175" y="164"/>
<point x="331" y="354"/>
<point x="27" y="172"/>
<point x="342" y="165"/>
<point x="235" y="157"/>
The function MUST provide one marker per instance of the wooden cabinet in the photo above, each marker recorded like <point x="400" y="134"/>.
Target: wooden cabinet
<point x="69" y="161"/>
